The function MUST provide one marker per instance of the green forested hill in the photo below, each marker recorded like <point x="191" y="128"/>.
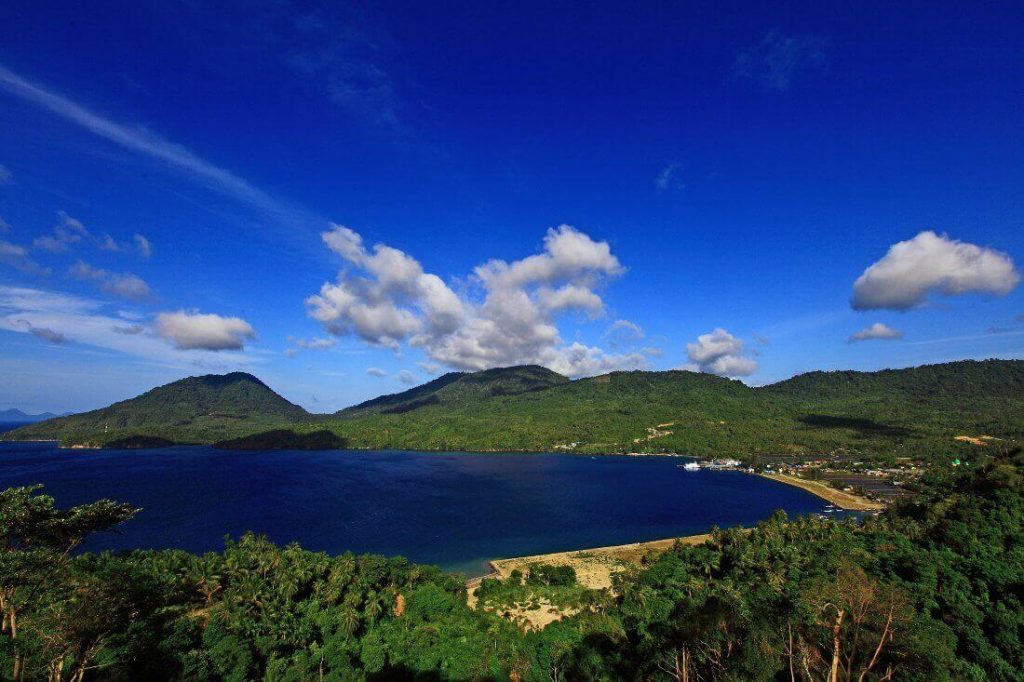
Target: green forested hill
<point x="461" y="389"/>
<point x="912" y="412"/>
<point x="199" y="409"/>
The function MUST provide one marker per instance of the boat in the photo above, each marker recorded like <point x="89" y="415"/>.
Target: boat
<point x="691" y="466"/>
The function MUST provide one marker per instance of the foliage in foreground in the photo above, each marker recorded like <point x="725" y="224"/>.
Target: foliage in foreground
<point x="930" y="591"/>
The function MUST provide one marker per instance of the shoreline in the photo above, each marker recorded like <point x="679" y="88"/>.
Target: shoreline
<point x="594" y="569"/>
<point x="610" y="554"/>
<point x="840" y="498"/>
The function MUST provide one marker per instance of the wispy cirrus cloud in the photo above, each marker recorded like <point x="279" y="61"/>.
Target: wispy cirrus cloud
<point x="77" y="320"/>
<point x="124" y="285"/>
<point x="143" y="141"/>
<point x="776" y="60"/>
<point x="66" y="232"/>
<point x="670" y="177"/>
<point x="17" y="257"/>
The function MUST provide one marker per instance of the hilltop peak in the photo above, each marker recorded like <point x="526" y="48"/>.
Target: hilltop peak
<point x="461" y="387"/>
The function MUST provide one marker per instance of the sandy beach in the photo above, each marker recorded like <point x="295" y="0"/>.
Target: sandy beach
<point x="594" y="568"/>
<point x="839" y="498"/>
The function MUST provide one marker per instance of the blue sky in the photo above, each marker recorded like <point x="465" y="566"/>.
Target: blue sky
<point x="187" y="189"/>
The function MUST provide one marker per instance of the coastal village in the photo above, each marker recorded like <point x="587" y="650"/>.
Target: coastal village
<point x="844" y="481"/>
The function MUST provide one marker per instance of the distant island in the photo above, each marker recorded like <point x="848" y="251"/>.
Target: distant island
<point x="16" y="416"/>
<point x="925" y="412"/>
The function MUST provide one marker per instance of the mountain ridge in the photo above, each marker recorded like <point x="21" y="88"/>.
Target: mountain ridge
<point x="886" y="413"/>
<point x="14" y="415"/>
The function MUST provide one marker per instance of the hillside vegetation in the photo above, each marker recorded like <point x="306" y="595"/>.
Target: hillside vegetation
<point x="930" y="590"/>
<point x="916" y="412"/>
<point x="202" y="409"/>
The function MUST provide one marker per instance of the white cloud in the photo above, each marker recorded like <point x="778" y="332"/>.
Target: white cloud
<point x="669" y="177"/>
<point x="376" y="372"/>
<point x="67" y="231"/>
<point x="877" y="331"/>
<point x="429" y="367"/>
<point x="721" y="353"/>
<point x="578" y="360"/>
<point x="143" y="245"/>
<point x="624" y="333"/>
<point x="6" y="177"/>
<point x="17" y="257"/>
<point x="406" y="377"/>
<point x="108" y="243"/>
<point x="774" y="61"/>
<point x="86" y="321"/>
<point x="136" y="139"/>
<point x="316" y="344"/>
<point x="196" y="331"/>
<point x="309" y="344"/>
<point x="931" y="263"/>
<point x="125" y="285"/>
<point x="389" y="300"/>
<point x="139" y="244"/>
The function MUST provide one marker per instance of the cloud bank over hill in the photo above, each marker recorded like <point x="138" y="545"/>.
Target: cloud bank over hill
<point x="508" y="317"/>
<point x="721" y="353"/>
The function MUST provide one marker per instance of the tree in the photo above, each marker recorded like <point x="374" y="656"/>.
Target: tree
<point x="36" y="541"/>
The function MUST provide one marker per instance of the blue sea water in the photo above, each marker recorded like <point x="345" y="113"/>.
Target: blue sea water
<point x="458" y="510"/>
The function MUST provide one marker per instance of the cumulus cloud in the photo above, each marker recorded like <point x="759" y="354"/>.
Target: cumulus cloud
<point x="387" y="299"/>
<point x="197" y="331"/>
<point x="775" y="61"/>
<point x="85" y="321"/>
<point x="376" y="372"/>
<point x="125" y="285"/>
<point x="67" y="231"/>
<point x="429" y="367"/>
<point x="932" y="264"/>
<point x="877" y="331"/>
<point x="406" y="377"/>
<point x="721" y="353"/>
